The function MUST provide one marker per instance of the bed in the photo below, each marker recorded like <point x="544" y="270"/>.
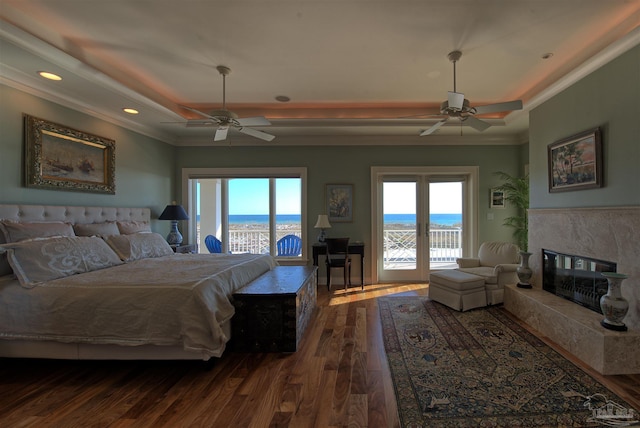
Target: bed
<point x="97" y="283"/>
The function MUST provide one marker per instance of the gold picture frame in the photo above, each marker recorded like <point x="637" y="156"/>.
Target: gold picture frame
<point x="62" y="158"/>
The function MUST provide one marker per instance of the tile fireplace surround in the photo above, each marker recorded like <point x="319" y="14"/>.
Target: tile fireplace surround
<point x="602" y="233"/>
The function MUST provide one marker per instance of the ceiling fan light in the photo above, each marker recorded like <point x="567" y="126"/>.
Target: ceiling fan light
<point x="456" y="100"/>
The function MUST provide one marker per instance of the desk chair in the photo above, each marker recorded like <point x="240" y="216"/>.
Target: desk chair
<point x="338" y="257"/>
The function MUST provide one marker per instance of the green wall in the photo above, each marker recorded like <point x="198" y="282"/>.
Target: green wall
<point x="148" y="171"/>
<point x="352" y="164"/>
<point x="145" y="167"/>
<point x="608" y="98"/>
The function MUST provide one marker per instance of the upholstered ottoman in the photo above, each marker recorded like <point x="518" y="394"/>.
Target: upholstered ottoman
<point x="458" y="290"/>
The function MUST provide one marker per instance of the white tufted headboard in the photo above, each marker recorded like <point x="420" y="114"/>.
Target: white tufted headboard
<point x="71" y="214"/>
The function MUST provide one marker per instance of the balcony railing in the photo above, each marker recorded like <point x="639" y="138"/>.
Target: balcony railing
<point x="399" y="245"/>
<point x="255" y="241"/>
<point x="445" y="245"/>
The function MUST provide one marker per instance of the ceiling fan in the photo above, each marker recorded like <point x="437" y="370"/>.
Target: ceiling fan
<point x="226" y="119"/>
<point x="457" y="106"/>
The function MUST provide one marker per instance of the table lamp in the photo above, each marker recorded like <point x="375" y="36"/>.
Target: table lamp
<point x="322" y="224"/>
<point x="174" y="213"/>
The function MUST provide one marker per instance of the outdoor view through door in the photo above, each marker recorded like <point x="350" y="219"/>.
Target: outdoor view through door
<point x="422" y="226"/>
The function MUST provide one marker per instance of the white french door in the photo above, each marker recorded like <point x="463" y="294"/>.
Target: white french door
<point x="402" y="243"/>
<point x="423" y="220"/>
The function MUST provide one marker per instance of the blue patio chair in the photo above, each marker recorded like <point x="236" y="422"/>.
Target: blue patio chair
<point x="213" y="244"/>
<point x="289" y="245"/>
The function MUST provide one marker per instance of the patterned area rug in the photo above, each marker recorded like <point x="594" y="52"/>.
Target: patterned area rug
<point x="479" y="369"/>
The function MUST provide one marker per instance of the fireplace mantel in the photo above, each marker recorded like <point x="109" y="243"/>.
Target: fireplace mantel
<point x="577" y="329"/>
<point x="611" y="233"/>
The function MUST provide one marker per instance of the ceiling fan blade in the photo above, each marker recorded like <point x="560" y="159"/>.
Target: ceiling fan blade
<point x="201" y="113"/>
<point x="198" y="123"/>
<point x="494" y="108"/>
<point x="456" y="100"/>
<point x="477" y="124"/>
<point x="253" y="121"/>
<point x="256" y="133"/>
<point x="434" y="128"/>
<point x="221" y="133"/>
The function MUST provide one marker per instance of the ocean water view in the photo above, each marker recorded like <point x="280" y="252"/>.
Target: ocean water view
<point x="252" y="219"/>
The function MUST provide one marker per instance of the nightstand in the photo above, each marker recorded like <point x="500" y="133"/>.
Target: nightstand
<point x="185" y="248"/>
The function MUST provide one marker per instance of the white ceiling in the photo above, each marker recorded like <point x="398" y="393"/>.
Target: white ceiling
<point x="356" y="71"/>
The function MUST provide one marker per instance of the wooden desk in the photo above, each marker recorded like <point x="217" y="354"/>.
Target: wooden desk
<point x="354" y="248"/>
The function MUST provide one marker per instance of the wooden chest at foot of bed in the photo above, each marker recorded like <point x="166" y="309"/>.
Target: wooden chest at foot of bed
<point x="273" y="311"/>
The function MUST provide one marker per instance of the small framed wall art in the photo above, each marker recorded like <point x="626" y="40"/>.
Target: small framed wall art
<point x="496" y="199"/>
<point x="339" y="202"/>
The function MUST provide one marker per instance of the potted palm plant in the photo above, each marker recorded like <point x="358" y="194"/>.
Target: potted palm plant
<point x="516" y="192"/>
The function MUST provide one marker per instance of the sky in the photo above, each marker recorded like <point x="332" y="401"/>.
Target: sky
<point x="252" y="196"/>
<point x="444" y="198"/>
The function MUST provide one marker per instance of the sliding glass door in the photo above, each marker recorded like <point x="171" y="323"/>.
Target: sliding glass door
<point x="249" y="211"/>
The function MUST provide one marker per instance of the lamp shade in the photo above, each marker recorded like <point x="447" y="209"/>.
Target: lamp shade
<point x="174" y="212"/>
<point x="323" y="222"/>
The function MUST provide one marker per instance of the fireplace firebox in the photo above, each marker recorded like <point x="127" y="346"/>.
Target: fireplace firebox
<point x="576" y="278"/>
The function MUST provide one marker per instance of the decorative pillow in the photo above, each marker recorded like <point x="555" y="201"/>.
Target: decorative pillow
<point x="139" y="246"/>
<point x="96" y="229"/>
<point x="15" y="231"/>
<point x="129" y="227"/>
<point x="41" y="260"/>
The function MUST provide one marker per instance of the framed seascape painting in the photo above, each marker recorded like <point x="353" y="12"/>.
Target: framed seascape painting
<point x="575" y="162"/>
<point x="339" y="200"/>
<point x="57" y="157"/>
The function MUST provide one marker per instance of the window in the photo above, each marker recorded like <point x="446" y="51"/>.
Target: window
<point x="248" y="210"/>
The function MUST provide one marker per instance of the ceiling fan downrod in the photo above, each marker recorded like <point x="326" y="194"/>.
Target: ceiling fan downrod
<point x="454" y="57"/>
<point x="224" y="71"/>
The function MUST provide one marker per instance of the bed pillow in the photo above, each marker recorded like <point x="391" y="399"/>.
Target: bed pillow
<point x="96" y="229"/>
<point x="139" y="246"/>
<point x="129" y="227"/>
<point x="39" y="260"/>
<point x="14" y="231"/>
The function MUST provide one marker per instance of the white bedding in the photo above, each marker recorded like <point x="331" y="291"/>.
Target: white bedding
<point x="181" y="299"/>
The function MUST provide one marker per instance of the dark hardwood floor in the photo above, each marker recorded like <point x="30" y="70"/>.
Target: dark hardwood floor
<point x="338" y="378"/>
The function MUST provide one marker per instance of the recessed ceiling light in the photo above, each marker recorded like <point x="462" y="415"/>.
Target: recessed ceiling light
<point x="130" y="110"/>
<point x="283" y="98"/>
<point x="547" y="55"/>
<point x="49" y="76"/>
